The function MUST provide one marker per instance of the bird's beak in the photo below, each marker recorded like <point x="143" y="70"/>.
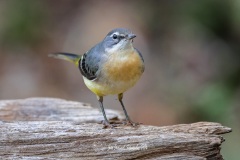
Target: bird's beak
<point x="131" y="36"/>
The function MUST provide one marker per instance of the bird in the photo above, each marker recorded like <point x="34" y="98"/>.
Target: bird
<point x="111" y="67"/>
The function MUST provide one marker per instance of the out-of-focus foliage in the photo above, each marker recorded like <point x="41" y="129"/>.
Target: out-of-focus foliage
<point x="23" y="24"/>
<point x="191" y="51"/>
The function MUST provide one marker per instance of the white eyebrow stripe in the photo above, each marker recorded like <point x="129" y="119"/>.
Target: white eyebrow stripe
<point x="117" y="33"/>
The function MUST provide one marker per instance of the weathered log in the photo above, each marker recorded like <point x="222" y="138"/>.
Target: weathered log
<point x="55" y="138"/>
<point x="51" y="109"/>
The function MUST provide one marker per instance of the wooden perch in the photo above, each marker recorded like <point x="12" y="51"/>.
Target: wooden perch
<point x="51" y="109"/>
<point x="43" y="128"/>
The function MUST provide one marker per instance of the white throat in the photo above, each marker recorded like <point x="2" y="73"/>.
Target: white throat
<point x="122" y="46"/>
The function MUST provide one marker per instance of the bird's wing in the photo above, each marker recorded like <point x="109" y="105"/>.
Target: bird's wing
<point x="89" y="63"/>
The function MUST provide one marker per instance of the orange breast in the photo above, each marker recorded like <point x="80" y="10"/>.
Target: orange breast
<point x="124" y="67"/>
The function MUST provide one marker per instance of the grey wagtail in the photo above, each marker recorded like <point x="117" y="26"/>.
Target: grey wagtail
<point x="110" y="67"/>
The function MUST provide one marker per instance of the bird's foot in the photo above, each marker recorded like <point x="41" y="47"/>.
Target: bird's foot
<point x="114" y="124"/>
<point x="131" y="123"/>
<point x="106" y="124"/>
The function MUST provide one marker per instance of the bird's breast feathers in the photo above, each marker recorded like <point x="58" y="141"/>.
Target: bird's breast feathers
<point x="119" y="73"/>
<point x="123" y="66"/>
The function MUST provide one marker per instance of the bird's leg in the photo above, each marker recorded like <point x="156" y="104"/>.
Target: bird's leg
<point x="128" y="120"/>
<point x="105" y="122"/>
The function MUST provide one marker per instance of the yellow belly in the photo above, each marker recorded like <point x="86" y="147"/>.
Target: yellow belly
<point x="118" y="74"/>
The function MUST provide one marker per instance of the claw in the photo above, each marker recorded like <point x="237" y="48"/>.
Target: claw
<point x="106" y="124"/>
<point x="131" y="123"/>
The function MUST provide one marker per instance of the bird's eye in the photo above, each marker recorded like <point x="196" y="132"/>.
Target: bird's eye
<point x="114" y="36"/>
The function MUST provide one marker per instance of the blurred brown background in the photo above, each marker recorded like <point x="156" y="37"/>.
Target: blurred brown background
<point x="191" y="51"/>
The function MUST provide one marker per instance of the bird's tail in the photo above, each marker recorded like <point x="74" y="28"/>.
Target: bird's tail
<point x="74" y="58"/>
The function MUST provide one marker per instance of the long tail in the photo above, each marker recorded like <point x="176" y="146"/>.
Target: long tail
<point x="74" y="58"/>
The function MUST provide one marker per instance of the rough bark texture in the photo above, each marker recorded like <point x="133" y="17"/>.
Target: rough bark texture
<point x="43" y="128"/>
<point x="51" y="109"/>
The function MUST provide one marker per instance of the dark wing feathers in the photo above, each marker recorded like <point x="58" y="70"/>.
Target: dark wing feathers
<point x="89" y="63"/>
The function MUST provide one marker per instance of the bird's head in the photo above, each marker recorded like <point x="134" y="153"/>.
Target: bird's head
<point x="119" y="39"/>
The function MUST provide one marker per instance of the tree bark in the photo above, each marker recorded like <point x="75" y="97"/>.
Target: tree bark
<point x="44" y="128"/>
